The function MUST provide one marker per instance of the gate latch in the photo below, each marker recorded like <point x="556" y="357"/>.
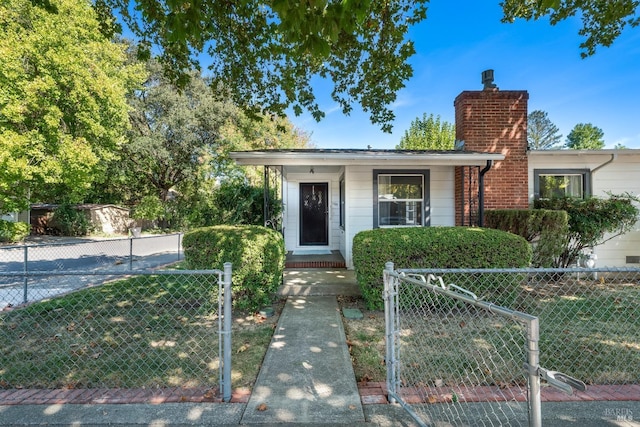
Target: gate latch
<point x="557" y="379"/>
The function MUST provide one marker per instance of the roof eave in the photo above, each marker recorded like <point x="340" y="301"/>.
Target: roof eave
<point x="262" y="158"/>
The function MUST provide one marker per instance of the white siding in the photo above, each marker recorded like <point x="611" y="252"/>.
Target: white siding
<point x="360" y="200"/>
<point x="620" y="176"/>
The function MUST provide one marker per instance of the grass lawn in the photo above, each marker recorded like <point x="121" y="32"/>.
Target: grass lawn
<point x="591" y="332"/>
<point x="144" y="331"/>
<point x="162" y="331"/>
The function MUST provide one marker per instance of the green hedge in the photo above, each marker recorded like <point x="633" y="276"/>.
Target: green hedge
<point x="437" y="247"/>
<point x="257" y="254"/>
<point x="545" y="229"/>
<point x="13" y="231"/>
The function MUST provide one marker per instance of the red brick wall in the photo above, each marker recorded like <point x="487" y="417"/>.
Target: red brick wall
<point x="494" y="121"/>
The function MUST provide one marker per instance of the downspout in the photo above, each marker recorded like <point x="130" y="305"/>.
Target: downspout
<point x="481" y="193"/>
<point x="597" y="168"/>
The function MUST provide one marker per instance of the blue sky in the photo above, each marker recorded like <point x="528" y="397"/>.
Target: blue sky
<point x="460" y="39"/>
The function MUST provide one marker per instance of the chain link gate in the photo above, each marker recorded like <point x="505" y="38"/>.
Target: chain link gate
<point x="453" y="359"/>
<point x="142" y="330"/>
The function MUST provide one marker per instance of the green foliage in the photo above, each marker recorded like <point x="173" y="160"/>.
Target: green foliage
<point x="585" y="136"/>
<point x="70" y="221"/>
<point x="63" y="110"/>
<point x="11" y="232"/>
<point x="150" y="208"/>
<point x="428" y="133"/>
<point x="175" y="132"/>
<point x="436" y="247"/>
<point x="602" y="21"/>
<point x="267" y="53"/>
<point x="592" y="222"/>
<point x="241" y="203"/>
<point x="542" y="134"/>
<point x="257" y="254"/>
<point x="544" y="229"/>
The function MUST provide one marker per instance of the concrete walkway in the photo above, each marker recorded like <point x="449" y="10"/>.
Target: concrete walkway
<point x="307" y="376"/>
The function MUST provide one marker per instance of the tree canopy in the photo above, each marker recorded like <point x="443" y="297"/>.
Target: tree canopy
<point x="269" y="51"/>
<point x="63" y="109"/>
<point x="585" y="136"/>
<point x="173" y="132"/>
<point x="428" y="133"/>
<point x="542" y="133"/>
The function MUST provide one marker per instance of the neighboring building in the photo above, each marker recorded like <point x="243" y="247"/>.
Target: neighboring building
<point x="108" y="219"/>
<point x="330" y="195"/>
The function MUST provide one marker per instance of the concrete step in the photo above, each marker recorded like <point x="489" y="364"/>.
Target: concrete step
<point x="317" y="282"/>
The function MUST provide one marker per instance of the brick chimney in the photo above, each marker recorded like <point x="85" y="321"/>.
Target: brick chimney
<point x="492" y="121"/>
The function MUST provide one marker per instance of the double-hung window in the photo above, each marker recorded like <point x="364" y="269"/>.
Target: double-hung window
<point x="400" y="198"/>
<point x="557" y="183"/>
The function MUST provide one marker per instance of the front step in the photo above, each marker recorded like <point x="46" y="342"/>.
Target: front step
<point x="314" y="264"/>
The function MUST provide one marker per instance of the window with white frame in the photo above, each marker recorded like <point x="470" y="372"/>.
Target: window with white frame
<point x="557" y="183"/>
<point x="400" y="198"/>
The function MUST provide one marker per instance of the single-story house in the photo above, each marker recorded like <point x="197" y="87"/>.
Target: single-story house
<point x="329" y="195"/>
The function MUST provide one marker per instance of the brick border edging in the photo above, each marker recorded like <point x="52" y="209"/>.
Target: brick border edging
<point x="371" y="393"/>
<point x="117" y="396"/>
<point x="376" y="393"/>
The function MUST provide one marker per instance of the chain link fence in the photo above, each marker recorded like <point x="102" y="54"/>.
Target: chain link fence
<point x="133" y="330"/>
<point x="458" y="359"/>
<point x="83" y="254"/>
<point x="119" y="255"/>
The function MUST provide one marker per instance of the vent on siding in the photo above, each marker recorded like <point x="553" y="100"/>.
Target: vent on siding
<point x="633" y="259"/>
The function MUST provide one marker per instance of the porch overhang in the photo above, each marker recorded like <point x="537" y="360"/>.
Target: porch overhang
<point x="344" y="157"/>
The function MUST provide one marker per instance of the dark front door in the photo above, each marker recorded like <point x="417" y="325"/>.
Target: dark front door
<point x="314" y="214"/>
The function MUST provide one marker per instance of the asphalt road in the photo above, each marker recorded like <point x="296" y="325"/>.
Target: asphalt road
<point x="58" y="256"/>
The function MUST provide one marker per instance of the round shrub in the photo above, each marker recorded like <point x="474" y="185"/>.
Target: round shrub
<point x="11" y="232"/>
<point x="257" y="254"/>
<point x="438" y="247"/>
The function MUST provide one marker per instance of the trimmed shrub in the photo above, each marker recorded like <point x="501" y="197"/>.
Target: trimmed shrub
<point x="257" y="254"/>
<point x="545" y="229"/>
<point x="438" y="247"/>
<point x="11" y="232"/>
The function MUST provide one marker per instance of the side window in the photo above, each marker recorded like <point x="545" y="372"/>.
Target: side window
<point x="554" y="183"/>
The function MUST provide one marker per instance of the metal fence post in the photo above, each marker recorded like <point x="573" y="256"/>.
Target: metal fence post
<point x="131" y="253"/>
<point x="179" y="244"/>
<point x="533" y="351"/>
<point x="26" y="270"/>
<point x="389" y="310"/>
<point x="226" y="357"/>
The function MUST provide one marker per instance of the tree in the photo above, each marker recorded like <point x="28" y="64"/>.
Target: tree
<point x="585" y="136"/>
<point x="63" y="110"/>
<point x="602" y="21"/>
<point x="428" y="133"/>
<point x="542" y="134"/>
<point x="269" y="51"/>
<point x="173" y="132"/>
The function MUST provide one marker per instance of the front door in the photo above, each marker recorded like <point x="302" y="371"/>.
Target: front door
<point x="314" y="214"/>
